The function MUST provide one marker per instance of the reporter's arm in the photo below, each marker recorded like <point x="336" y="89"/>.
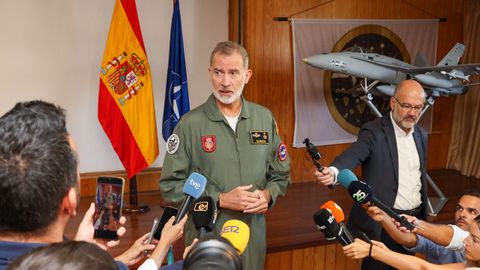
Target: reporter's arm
<point x="438" y="233"/>
<point x="360" y="249"/>
<point x="408" y="239"/>
<point x="135" y="253"/>
<point x="170" y="234"/>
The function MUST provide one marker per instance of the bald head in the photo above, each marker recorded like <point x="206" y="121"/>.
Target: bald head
<point x="410" y="88"/>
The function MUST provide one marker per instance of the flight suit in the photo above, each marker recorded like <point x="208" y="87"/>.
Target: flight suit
<point x="203" y="142"/>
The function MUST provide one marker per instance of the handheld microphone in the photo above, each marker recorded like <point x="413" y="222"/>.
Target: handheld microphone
<point x="204" y="214"/>
<point x="363" y="193"/>
<point x="315" y="155"/>
<point x="327" y="224"/>
<point x="193" y="188"/>
<point x="237" y="232"/>
<point x="339" y="216"/>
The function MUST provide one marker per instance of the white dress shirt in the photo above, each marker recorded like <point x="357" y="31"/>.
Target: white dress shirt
<point x="409" y="183"/>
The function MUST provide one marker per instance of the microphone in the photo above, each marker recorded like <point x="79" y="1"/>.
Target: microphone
<point x="237" y="232"/>
<point x="339" y="216"/>
<point x="193" y="188"/>
<point x="315" y="155"/>
<point x="362" y="193"/>
<point x="327" y="224"/>
<point x="204" y="214"/>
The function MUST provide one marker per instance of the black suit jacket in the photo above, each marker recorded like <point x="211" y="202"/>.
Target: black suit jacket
<point x="376" y="151"/>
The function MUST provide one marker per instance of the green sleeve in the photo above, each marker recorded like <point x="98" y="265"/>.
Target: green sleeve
<point x="278" y="173"/>
<point x="176" y="168"/>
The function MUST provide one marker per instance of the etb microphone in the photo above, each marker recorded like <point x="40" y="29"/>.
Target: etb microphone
<point x="193" y="188"/>
<point x="362" y="193"/>
<point x="237" y="232"/>
<point x="204" y="214"/>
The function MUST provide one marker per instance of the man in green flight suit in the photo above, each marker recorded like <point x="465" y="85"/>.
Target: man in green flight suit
<point x="235" y="144"/>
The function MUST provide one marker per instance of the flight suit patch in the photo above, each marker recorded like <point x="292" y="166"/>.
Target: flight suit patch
<point x="209" y="143"/>
<point x="259" y="137"/>
<point x="282" y="152"/>
<point x="172" y="144"/>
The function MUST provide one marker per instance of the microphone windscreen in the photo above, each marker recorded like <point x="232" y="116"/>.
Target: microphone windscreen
<point x="237" y="232"/>
<point x="335" y="209"/>
<point x="195" y="185"/>
<point x="203" y="213"/>
<point x="345" y="177"/>
<point x="360" y="192"/>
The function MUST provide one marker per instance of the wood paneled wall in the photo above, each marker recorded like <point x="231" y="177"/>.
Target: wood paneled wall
<point x="269" y="44"/>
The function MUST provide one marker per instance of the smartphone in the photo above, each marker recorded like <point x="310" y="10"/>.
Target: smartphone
<point x="108" y="206"/>
<point x="153" y="230"/>
<point x="168" y="212"/>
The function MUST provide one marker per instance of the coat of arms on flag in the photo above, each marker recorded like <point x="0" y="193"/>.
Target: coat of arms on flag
<point x="125" y="74"/>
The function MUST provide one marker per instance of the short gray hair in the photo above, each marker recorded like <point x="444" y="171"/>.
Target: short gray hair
<point x="228" y="48"/>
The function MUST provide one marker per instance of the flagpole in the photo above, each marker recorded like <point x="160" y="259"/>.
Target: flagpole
<point x="134" y="207"/>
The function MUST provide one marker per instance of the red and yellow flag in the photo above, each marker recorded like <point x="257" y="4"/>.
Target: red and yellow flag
<point x="125" y="102"/>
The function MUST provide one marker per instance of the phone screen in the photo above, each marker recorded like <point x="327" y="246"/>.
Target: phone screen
<point x="108" y="206"/>
<point x="168" y="212"/>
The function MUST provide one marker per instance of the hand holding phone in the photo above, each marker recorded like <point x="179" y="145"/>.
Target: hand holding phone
<point x="168" y="212"/>
<point x="108" y="206"/>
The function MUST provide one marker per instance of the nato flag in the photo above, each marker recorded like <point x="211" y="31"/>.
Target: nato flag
<point x="176" y="94"/>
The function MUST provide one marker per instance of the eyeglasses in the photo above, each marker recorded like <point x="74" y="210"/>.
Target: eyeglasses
<point x="408" y="107"/>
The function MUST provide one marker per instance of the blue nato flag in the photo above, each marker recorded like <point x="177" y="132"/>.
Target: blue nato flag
<point x="176" y="94"/>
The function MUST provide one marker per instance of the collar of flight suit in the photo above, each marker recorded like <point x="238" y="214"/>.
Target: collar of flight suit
<point x="214" y="114"/>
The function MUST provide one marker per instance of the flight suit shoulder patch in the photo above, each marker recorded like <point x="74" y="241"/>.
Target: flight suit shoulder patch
<point x="173" y="142"/>
<point x="282" y="152"/>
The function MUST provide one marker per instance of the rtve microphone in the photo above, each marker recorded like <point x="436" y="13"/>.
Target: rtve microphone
<point x="363" y="193"/>
<point x="339" y="216"/>
<point x="193" y="188"/>
<point x="327" y="224"/>
<point x="237" y="232"/>
<point x="204" y="214"/>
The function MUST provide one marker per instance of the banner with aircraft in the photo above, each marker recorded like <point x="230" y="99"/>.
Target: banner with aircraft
<point x="329" y="109"/>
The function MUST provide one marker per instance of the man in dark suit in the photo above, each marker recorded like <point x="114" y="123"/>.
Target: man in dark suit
<point x="392" y="152"/>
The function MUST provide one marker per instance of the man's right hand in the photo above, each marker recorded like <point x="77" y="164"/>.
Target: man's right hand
<point x="324" y="177"/>
<point x="238" y="199"/>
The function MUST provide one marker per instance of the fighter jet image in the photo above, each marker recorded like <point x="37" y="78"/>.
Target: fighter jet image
<point x="445" y="79"/>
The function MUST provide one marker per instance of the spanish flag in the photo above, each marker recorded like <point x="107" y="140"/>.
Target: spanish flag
<point x="125" y="101"/>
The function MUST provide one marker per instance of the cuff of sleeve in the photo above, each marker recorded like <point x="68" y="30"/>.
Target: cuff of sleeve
<point x="334" y="170"/>
<point x="148" y="264"/>
<point x="274" y="191"/>
<point x="215" y="196"/>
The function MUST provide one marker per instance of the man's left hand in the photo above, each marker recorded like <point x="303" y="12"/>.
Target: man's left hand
<point x="261" y="205"/>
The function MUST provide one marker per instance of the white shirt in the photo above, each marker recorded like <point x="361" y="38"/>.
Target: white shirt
<point x="409" y="183"/>
<point x="232" y="121"/>
<point x="457" y="239"/>
<point x="148" y="264"/>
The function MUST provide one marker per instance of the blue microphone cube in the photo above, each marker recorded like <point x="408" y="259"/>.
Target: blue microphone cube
<point x="195" y="185"/>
